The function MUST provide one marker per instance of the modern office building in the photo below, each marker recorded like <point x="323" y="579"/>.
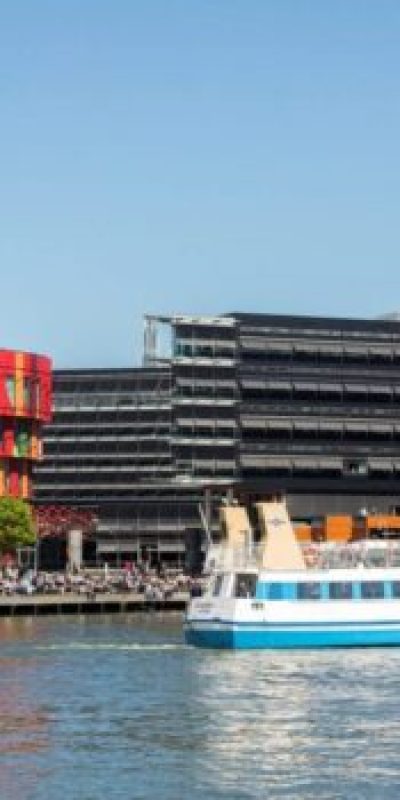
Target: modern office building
<point x="108" y="450"/>
<point x="25" y="404"/>
<point x="245" y="404"/>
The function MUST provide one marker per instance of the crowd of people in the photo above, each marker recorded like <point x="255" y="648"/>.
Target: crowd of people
<point x="151" y="584"/>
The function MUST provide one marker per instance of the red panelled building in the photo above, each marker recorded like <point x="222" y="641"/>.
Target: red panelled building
<point x="25" y="403"/>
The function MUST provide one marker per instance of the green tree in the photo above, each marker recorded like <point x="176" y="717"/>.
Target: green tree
<point x="17" y="528"/>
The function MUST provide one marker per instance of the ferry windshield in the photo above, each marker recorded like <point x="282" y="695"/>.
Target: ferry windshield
<point x="245" y="585"/>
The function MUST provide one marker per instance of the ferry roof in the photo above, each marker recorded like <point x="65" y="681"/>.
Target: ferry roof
<point x="353" y="574"/>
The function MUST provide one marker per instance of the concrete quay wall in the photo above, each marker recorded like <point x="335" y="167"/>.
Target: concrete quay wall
<point x="40" y="605"/>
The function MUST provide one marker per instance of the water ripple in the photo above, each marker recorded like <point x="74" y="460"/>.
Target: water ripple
<point x="82" y="717"/>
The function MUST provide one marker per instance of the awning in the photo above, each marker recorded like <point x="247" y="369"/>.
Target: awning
<point x="266" y="345"/>
<point x="170" y="547"/>
<point x="277" y="463"/>
<point x="380" y="389"/>
<point x="253" y="383"/>
<point x="380" y="465"/>
<point x="330" y="349"/>
<point x="265" y="462"/>
<point x="306" y="425"/>
<point x="356" y="388"/>
<point x="254" y="422"/>
<point x="279" y="386"/>
<point x="306" y="387"/>
<point x="226" y="463"/>
<point x="184" y="381"/>
<point x="380" y="427"/>
<point x="278" y="347"/>
<point x="356" y="426"/>
<point x="306" y="347"/>
<point x="335" y="388"/>
<point x="250" y="460"/>
<point x="279" y="424"/>
<point x="331" y="425"/>
<point x="253" y="344"/>
<point x="380" y="351"/>
<point x="356" y="352"/>
<point x="330" y="464"/>
<point x="305" y="464"/>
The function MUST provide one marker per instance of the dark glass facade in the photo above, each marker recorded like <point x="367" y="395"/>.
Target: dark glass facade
<point x="109" y="449"/>
<point x="252" y="404"/>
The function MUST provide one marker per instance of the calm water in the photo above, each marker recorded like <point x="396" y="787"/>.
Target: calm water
<point x="118" y="707"/>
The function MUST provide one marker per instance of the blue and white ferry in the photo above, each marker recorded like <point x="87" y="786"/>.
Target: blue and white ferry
<point x="275" y="595"/>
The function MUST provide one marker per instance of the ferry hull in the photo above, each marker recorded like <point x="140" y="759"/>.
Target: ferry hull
<point x="240" y="637"/>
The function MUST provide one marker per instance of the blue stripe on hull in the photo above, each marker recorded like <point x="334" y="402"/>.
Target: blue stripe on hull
<point x="245" y="638"/>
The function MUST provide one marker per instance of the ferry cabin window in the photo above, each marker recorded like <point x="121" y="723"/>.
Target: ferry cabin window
<point x="396" y="589"/>
<point x="308" y="591"/>
<point x="245" y="585"/>
<point x="372" y="590"/>
<point x="342" y="590"/>
<point x="275" y="591"/>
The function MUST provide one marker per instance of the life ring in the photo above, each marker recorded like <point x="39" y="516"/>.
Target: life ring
<point x="310" y="556"/>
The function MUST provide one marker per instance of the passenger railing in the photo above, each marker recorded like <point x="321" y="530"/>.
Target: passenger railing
<point x="370" y="554"/>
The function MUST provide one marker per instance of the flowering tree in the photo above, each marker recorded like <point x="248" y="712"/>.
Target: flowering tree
<point x="58" y="520"/>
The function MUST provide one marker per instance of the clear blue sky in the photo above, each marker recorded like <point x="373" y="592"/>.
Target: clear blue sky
<point x="194" y="156"/>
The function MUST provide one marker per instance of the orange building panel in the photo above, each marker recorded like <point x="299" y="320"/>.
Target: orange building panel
<point x="383" y="522"/>
<point x="303" y="532"/>
<point x="338" y="528"/>
<point x="25" y="403"/>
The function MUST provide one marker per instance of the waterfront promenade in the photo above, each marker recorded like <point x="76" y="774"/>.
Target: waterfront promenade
<point x="74" y="603"/>
<point x="94" y="591"/>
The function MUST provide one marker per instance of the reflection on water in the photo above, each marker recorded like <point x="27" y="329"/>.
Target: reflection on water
<point x="305" y="724"/>
<point x="119" y="707"/>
